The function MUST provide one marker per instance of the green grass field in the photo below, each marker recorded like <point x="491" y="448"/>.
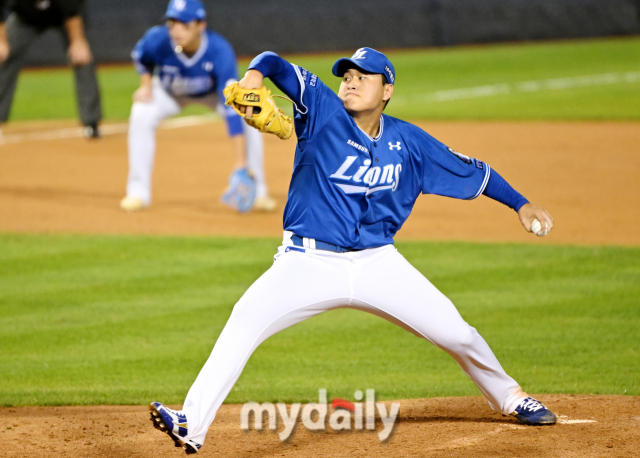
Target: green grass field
<point x="48" y="94"/>
<point x="125" y="320"/>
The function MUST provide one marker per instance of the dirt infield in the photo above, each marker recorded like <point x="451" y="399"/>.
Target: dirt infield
<point x="585" y="174"/>
<point x="590" y="426"/>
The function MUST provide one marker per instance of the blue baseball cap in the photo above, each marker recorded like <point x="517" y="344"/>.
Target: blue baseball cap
<point x="186" y="10"/>
<point x="369" y="60"/>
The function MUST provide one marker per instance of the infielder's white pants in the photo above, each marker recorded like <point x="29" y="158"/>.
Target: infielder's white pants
<point x="379" y="281"/>
<point x="143" y="123"/>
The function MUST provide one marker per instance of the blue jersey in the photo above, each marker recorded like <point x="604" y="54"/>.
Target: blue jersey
<point x="353" y="190"/>
<point x="209" y="70"/>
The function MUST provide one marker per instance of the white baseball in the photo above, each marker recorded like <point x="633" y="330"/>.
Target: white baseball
<point x="536" y="228"/>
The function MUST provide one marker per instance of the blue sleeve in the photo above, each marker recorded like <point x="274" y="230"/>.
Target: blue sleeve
<point x="314" y="102"/>
<point x="234" y="122"/>
<point x="498" y="189"/>
<point x="225" y="68"/>
<point x="142" y="55"/>
<point x="449" y="173"/>
<point x="225" y="72"/>
<point x="283" y="74"/>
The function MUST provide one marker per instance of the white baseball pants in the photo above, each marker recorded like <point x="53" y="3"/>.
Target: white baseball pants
<point x="143" y="123"/>
<point x="379" y="281"/>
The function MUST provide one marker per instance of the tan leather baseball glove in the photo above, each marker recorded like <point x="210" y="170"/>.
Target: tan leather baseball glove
<point x="267" y="116"/>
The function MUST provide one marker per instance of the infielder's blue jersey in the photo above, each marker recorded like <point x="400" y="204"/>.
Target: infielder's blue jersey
<point x="353" y="190"/>
<point x="209" y="70"/>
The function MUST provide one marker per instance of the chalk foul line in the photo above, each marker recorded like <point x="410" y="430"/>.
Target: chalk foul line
<point x="105" y="129"/>
<point x="564" y="420"/>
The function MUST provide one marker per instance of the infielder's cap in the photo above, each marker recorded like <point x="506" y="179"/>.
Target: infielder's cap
<point x="369" y="60"/>
<point x="186" y="10"/>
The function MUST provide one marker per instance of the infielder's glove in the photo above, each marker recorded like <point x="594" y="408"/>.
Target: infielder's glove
<point x="241" y="193"/>
<point x="267" y="117"/>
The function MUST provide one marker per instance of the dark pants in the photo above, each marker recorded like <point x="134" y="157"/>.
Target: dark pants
<point x="20" y="35"/>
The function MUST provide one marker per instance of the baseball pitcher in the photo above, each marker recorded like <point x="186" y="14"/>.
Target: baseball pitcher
<point x="356" y="176"/>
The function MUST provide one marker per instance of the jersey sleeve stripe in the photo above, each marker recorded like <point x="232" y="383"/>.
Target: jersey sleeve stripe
<point x="140" y="68"/>
<point x="487" y="174"/>
<point x="302" y="88"/>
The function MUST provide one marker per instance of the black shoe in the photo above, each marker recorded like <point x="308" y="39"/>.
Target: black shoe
<point x="91" y="131"/>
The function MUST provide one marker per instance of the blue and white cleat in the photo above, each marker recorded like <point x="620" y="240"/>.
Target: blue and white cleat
<point x="173" y="423"/>
<point x="532" y="412"/>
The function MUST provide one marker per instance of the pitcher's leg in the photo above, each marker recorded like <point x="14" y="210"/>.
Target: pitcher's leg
<point x="289" y="292"/>
<point x="143" y="123"/>
<point x="393" y="286"/>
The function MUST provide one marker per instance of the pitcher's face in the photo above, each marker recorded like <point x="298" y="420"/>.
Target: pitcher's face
<point x="361" y="91"/>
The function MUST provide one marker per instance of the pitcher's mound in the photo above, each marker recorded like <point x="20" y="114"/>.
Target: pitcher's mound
<point x="589" y="426"/>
